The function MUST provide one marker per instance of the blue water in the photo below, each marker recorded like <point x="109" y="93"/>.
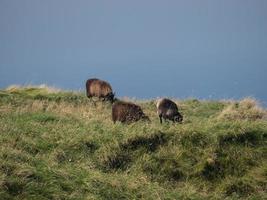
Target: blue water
<point x="150" y="82"/>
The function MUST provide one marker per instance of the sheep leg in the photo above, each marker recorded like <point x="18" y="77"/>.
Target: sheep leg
<point x="160" y="118"/>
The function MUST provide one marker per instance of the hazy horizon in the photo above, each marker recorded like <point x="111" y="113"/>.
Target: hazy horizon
<point x="209" y="50"/>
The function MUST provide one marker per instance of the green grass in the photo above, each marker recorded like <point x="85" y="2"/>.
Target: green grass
<point x="60" y="145"/>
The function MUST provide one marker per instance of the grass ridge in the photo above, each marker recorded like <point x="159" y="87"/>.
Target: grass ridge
<point x="57" y="144"/>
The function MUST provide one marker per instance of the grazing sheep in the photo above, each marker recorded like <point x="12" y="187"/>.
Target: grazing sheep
<point x="127" y="112"/>
<point x="98" y="88"/>
<point x="167" y="109"/>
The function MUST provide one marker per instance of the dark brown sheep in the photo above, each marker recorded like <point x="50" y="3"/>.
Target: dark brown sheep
<point x="98" y="88"/>
<point x="127" y="112"/>
<point x="167" y="109"/>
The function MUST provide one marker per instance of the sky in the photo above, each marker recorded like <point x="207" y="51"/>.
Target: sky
<point x="208" y="49"/>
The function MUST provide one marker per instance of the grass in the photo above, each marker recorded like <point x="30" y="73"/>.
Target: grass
<point x="57" y="144"/>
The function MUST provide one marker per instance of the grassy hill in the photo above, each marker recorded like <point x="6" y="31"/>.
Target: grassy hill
<point x="59" y="145"/>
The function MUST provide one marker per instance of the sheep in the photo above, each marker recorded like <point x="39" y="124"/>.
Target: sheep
<point x="126" y="112"/>
<point x="99" y="88"/>
<point x="167" y="109"/>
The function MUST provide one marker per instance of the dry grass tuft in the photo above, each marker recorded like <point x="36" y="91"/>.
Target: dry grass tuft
<point x="48" y="89"/>
<point x="248" y="109"/>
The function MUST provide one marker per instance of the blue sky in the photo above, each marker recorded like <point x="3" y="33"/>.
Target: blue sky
<point x="145" y="49"/>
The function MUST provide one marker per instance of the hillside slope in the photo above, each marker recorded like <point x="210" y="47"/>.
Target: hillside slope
<point x="59" y="145"/>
